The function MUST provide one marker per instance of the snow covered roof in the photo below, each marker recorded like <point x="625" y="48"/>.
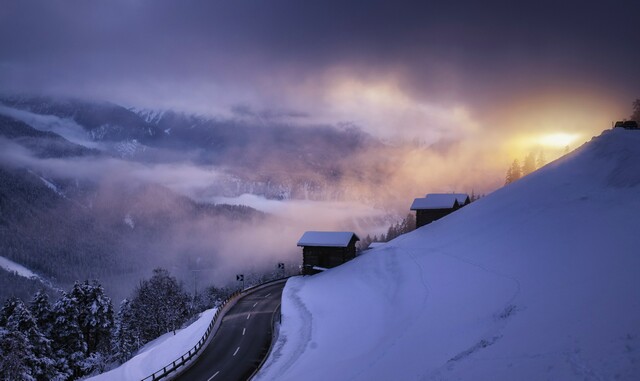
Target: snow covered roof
<point x="330" y="239"/>
<point x="439" y="201"/>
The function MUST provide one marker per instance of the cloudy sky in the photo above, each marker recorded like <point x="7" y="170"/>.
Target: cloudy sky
<point x="457" y="70"/>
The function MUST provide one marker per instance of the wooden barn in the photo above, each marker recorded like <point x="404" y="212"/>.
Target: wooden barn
<point x="437" y="205"/>
<point x="324" y="250"/>
<point x="627" y="124"/>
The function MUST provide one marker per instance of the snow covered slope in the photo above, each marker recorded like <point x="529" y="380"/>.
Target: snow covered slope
<point x="16" y="268"/>
<point x="160" y="352"/>
<point x="539" y="280"/>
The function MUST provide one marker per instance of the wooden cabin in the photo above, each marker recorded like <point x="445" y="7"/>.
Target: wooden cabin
<point x="627" y="124"/>
<point x="324" y="250"/>
<point x="437" y="205"/>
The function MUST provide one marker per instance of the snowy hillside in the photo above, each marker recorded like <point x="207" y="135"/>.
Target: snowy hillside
<point x="160" y="352"/>
<point x="540" y="280"/>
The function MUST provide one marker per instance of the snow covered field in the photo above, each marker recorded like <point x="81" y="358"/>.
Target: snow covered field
<point x="160" y="352"/>
<point x="537" y="281"/>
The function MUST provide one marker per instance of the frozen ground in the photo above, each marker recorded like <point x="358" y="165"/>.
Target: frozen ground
<point x="537" y="281"/>
<point x="160" y="352"/>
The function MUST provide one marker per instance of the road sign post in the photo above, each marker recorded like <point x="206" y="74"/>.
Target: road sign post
<point x="281" y="267"/>
<point x="240" y="278"/>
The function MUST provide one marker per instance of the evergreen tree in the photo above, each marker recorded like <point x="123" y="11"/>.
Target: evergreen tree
<point x="475" y="197"/>
<point x="68" y="341"/>
<point x="636" y="111"/>
<point x="541" y="161"/>
<point x="38" y="356"/>
<point x="125" y="336"/>
<point x="514" y="172"/>
<point x="365" y="242"/>
<point x="41" y="311"/>
<point x="95" y="315"/>
<point x="15" y="352"/>
<point x="529" y="164"/>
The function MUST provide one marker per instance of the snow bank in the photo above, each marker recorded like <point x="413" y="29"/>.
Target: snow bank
<point x="160" y="352"/>
<point x="539" y="280"/>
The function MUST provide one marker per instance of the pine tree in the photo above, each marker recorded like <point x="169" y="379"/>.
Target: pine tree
<point x="541" y="161"/>
<point x="41" y="311"/>
<point x="15" y="351"/>
<point x="514" y="172"/>
<point x="38" y="356"/>
<point x="636" y="111"/>
<point x="95" y="317"/>
<point x="126" y="338"/>
<point x="68" y="341"/>
<point x="529" y="164"/>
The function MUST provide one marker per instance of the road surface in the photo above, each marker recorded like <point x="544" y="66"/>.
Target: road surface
<point x="242" y="340"/>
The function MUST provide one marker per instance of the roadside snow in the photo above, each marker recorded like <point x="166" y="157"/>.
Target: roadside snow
<point x="538" y="280"/>
<point x="160" y="352"/>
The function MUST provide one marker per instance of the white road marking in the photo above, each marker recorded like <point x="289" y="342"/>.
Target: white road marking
<point x="236" y="352"/>
<point x="266" y="296"/>
<point x="255" y="304"/>
<point x="248" y="316"/>
<point x="211" y="378"/>
<point x="243" y="331"/>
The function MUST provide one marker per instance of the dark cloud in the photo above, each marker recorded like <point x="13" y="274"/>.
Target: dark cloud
<point x="242" y="52"/>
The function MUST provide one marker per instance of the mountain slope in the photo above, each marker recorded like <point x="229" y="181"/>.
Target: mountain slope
<point x="67" y="227"/>
<point x="539" y="280"/>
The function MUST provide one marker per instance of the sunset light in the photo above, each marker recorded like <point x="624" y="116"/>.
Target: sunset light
<point x="558" y="139"/>
<point x="289" y="190"/>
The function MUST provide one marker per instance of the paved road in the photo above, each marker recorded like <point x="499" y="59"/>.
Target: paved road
<point x="241" y="342"/>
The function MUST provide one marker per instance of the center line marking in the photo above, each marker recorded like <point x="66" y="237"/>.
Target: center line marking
<point x="243" y="331"/>
<point x="266" y="296"/>
<point x="248" y="316"/>
<point x="255" y="304"/>
<point x="236" y="352"/>
<point x="211" y="378"/>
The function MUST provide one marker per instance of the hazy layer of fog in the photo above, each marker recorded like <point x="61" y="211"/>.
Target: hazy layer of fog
<point x="67" y="128"/>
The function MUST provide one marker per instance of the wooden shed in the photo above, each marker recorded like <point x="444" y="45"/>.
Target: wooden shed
<point x="627" y="124"/>
<point x="324" y="250"/>
<point x="437" y="205"/>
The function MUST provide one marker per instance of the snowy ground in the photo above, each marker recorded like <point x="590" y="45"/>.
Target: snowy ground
<point x="539" y="280"/>
<point x="160" y="352"/>
<point x="16" y="268"/>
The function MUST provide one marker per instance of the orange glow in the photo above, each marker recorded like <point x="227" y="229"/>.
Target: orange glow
<point x="558" y="139"/>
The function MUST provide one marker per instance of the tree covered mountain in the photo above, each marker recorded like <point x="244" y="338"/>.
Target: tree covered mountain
<point x="66" y="228"/>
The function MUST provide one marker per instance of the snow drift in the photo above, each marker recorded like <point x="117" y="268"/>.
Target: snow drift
<point x="539" y="280"/>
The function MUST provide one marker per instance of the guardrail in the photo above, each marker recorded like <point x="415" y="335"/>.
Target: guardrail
<point x="185" y="358"/>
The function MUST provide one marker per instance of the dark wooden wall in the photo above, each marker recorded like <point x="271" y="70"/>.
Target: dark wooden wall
<point x="326" y="257"/>
<point x="427" y="216"/>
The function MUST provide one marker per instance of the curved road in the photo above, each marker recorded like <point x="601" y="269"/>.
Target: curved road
<point x="242" y="340"/>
